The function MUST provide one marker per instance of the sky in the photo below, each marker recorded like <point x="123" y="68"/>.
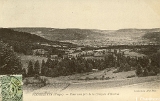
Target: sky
<point x="85" y="14"/>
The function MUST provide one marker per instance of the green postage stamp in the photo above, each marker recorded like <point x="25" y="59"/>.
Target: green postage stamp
<point x="11" y="88"/>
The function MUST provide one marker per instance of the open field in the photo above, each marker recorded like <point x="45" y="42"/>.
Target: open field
<point x="114" y="83"/>
<point x="106" y="73"/>
<point x="151" y="82"/>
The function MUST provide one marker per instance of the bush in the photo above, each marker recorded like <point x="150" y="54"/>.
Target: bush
<point x="102" y="77"/>
<point x="87" y="78"/>
<point x="95" y="78"/>
<point x="145" y="72"/>
<point x="36" y="76"/>
<point x="26" y="82"/>
<point x="44" y="81"/>
<point x="152" y="73"/>
<point x="107" y="78"/>
<point x="116" y="71"/>
<point x="108" y="70"/>
<point x="139" y="70"/>
<point x="131" y="76"/>
<point x="127" y="67"/>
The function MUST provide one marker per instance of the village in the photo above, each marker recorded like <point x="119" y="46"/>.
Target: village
<point x="86" y="54"/>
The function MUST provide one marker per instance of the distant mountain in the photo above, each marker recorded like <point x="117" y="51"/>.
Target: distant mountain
<point x="135" y="32"/>
<point x="62" y="34"/>
<point x="55" y="34"/>
<point x="138" y="30"/>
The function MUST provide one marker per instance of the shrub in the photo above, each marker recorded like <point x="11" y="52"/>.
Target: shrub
<point x="108" y="70"/>
<point x="145" y="72"/>
<point x="131" y="76"/>
<point x="102" y="77"/>
<point x="95" y="78"/>
<point x="36" y="76"/>
<point x="116" y="71"/>
<point x="87" y="78"/>
<point x="138" y="70"/>
<point x="44" y="81"/>
<point x="107" y="78"/>
<point x="26" y="82"/>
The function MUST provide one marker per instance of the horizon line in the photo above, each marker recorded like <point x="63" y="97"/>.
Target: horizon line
<point x="83" y="28"/>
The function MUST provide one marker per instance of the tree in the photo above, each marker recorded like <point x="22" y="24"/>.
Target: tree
<point x="155" y="70"/>
<point x="9" y="61"/>
<point x="24" y="72"/>
<point x="101" y="66"/>
<point x="89" y="67"/>
<point x="145" y="72"/>
<point x="30" y="69"/>
<point x="37" y="67"/>
<point x="139" y="70"/>
<point x="78" y="67"/>
<point x="49" y="63"/>
<point x="52" y="72"/>
<point x="83" y="67"/>
<point x="158" y="58"/>
<point x="127" y="67"/>
<point x="43" y="67"/>
<point x="121" y="68"/>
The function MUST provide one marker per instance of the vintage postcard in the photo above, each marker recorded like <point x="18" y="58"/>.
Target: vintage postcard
<point x="58" y="50"/>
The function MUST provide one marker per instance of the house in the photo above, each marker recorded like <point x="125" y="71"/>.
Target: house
<point x="65" y="56"/>
<point x="99" y="53"/>
<point x="79" y="48"/>
<point x="54" y="56"/>
<point x="89" y="53"/>
<point x="94" y="70"/>
<point x="39" y="52"/>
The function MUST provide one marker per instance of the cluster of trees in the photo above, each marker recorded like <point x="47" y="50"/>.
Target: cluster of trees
<point x="9" y="61"/>
<point x="53" y="68"/>
<point x="149" y="66"/>
<point x="144" y="66"/>
<point x="66" y="66"/>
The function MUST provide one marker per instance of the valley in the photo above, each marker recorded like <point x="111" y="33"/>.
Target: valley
<point x="79" y="57"/>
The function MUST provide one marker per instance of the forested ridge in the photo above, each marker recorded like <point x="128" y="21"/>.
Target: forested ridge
<point x="9" y="34"/>
<point x="23" y="42"/>
<point x="153" y="36"/>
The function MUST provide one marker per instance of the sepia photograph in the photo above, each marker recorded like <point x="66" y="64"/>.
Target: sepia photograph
<point x="58" y="50"/>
